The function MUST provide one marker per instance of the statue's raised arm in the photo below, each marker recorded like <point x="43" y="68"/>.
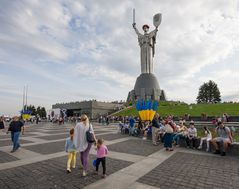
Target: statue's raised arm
<point x="136" y="30"/>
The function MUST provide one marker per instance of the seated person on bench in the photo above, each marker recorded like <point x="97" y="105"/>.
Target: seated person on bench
<point x="224" y="138"/>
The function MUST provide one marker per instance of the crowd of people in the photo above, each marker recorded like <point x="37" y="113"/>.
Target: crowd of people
<point x="174" y="134"/>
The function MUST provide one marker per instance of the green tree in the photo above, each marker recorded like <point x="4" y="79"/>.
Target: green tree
<point x="32" y="108"/>
<point x="38" y="110"/>
<point x="209" y="93"/>
<point x="43" y="112"/>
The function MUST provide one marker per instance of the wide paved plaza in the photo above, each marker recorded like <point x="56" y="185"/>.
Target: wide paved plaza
<point x="132" y="163"/>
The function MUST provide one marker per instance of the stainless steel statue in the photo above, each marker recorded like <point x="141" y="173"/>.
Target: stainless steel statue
<point x="146" y="85"/>
<point x="147" y="43"/>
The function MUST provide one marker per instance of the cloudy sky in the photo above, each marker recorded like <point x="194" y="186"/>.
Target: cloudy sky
<point x="67" y="50"/>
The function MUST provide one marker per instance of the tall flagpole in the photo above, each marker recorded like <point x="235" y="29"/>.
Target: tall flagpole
<point x="23" y="102"/>
<point x="26" y="95"/>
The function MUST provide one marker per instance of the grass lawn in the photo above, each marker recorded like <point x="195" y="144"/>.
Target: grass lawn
<point x="180" y="109"/>
<point x="200" y="132"/>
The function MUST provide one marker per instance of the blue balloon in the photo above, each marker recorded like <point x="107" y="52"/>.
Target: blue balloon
<point x="149" y="104"/>
<point x="155" y="105"/>
<point x="138" y="105"/>
<point x="144" y="105"/>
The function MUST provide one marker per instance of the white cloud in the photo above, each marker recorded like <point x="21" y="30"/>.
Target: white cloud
<point x="60" y="44"/>
<point x="103" y="74"/>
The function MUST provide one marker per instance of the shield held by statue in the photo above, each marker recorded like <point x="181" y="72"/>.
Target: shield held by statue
<point x="157" y="19"/>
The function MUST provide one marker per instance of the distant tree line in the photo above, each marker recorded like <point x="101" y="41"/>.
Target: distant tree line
<point x="41" y="111"/>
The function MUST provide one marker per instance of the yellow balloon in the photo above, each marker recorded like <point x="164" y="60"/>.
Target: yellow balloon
<point x="141" y="114"/>
<point x="152" y="113"/>
<point x="26" y="116"/>
<point x="148" y="114"/>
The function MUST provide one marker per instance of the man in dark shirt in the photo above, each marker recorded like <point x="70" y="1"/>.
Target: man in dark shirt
<point x="16" y="127"/>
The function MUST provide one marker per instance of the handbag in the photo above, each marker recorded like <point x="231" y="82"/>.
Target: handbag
<point x="90" y="136"/>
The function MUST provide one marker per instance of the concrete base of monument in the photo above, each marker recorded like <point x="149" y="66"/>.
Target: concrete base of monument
<point x="146" y="87"/>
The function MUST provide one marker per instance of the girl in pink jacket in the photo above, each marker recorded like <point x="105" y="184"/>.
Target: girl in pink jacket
<point x="102" y="151"/>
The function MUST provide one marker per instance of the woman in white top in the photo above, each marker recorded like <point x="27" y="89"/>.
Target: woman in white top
<point x="80" y="141"/>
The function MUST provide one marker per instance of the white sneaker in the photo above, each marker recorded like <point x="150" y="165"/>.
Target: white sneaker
<point x="200" y="147"/>
<point x="84" y="173"/>
<point x="144" y="138"/>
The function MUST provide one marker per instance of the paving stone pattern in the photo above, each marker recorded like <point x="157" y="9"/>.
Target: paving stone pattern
<point x="5" y="157"/>
<point x="136" y="147"/>
<point x="48" y="148"/>
<point x="184" y="170"/>
<point x="5" y="136"/>
<point x="57" y="131"/>
<point x="98" y="132"/>
<point x="112" y="136"/>
<point x="54" y="137"/>
<point x="52" y="174"/>
<point x="9" y="142"/>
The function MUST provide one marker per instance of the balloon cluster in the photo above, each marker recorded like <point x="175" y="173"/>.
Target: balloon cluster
<point x="146" y="109"/>
<point x="26" y="114"/>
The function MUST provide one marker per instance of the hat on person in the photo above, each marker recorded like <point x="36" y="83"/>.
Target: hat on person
<point x="145" y="25"/>
<point x="191" y="122"/>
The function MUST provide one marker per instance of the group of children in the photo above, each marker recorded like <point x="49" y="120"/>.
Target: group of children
<point x="101" y="152"/>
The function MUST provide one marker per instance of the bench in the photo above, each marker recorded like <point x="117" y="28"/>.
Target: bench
<point x="233" y="149"/>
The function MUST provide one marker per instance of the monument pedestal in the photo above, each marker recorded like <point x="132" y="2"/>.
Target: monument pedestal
<point x="146" y="87"/>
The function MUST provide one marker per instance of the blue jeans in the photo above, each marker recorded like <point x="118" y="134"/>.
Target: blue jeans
<point x="131" y="131"/>
<point x="15" y="140"/>
<point x="177" y="137"/>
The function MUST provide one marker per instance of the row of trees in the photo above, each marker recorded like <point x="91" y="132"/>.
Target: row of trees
<point x="41" y="111"/>
<point x="209" y="93"/>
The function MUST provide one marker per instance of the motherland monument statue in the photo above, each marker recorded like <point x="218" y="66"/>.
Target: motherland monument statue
<point x="146" y="86"/>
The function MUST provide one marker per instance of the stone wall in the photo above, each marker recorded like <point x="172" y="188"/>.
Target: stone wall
<point x="93" y="109"/>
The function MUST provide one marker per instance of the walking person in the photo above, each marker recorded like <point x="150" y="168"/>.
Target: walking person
<point x="131" y="125"/>
<point x="37" y="119"/>
<point x="80" y="141"/>
<point x="71" y="150"/>
<point x="102" y="151"/>
<point x="16" y="127"/>
<point x="2" y="124"/>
